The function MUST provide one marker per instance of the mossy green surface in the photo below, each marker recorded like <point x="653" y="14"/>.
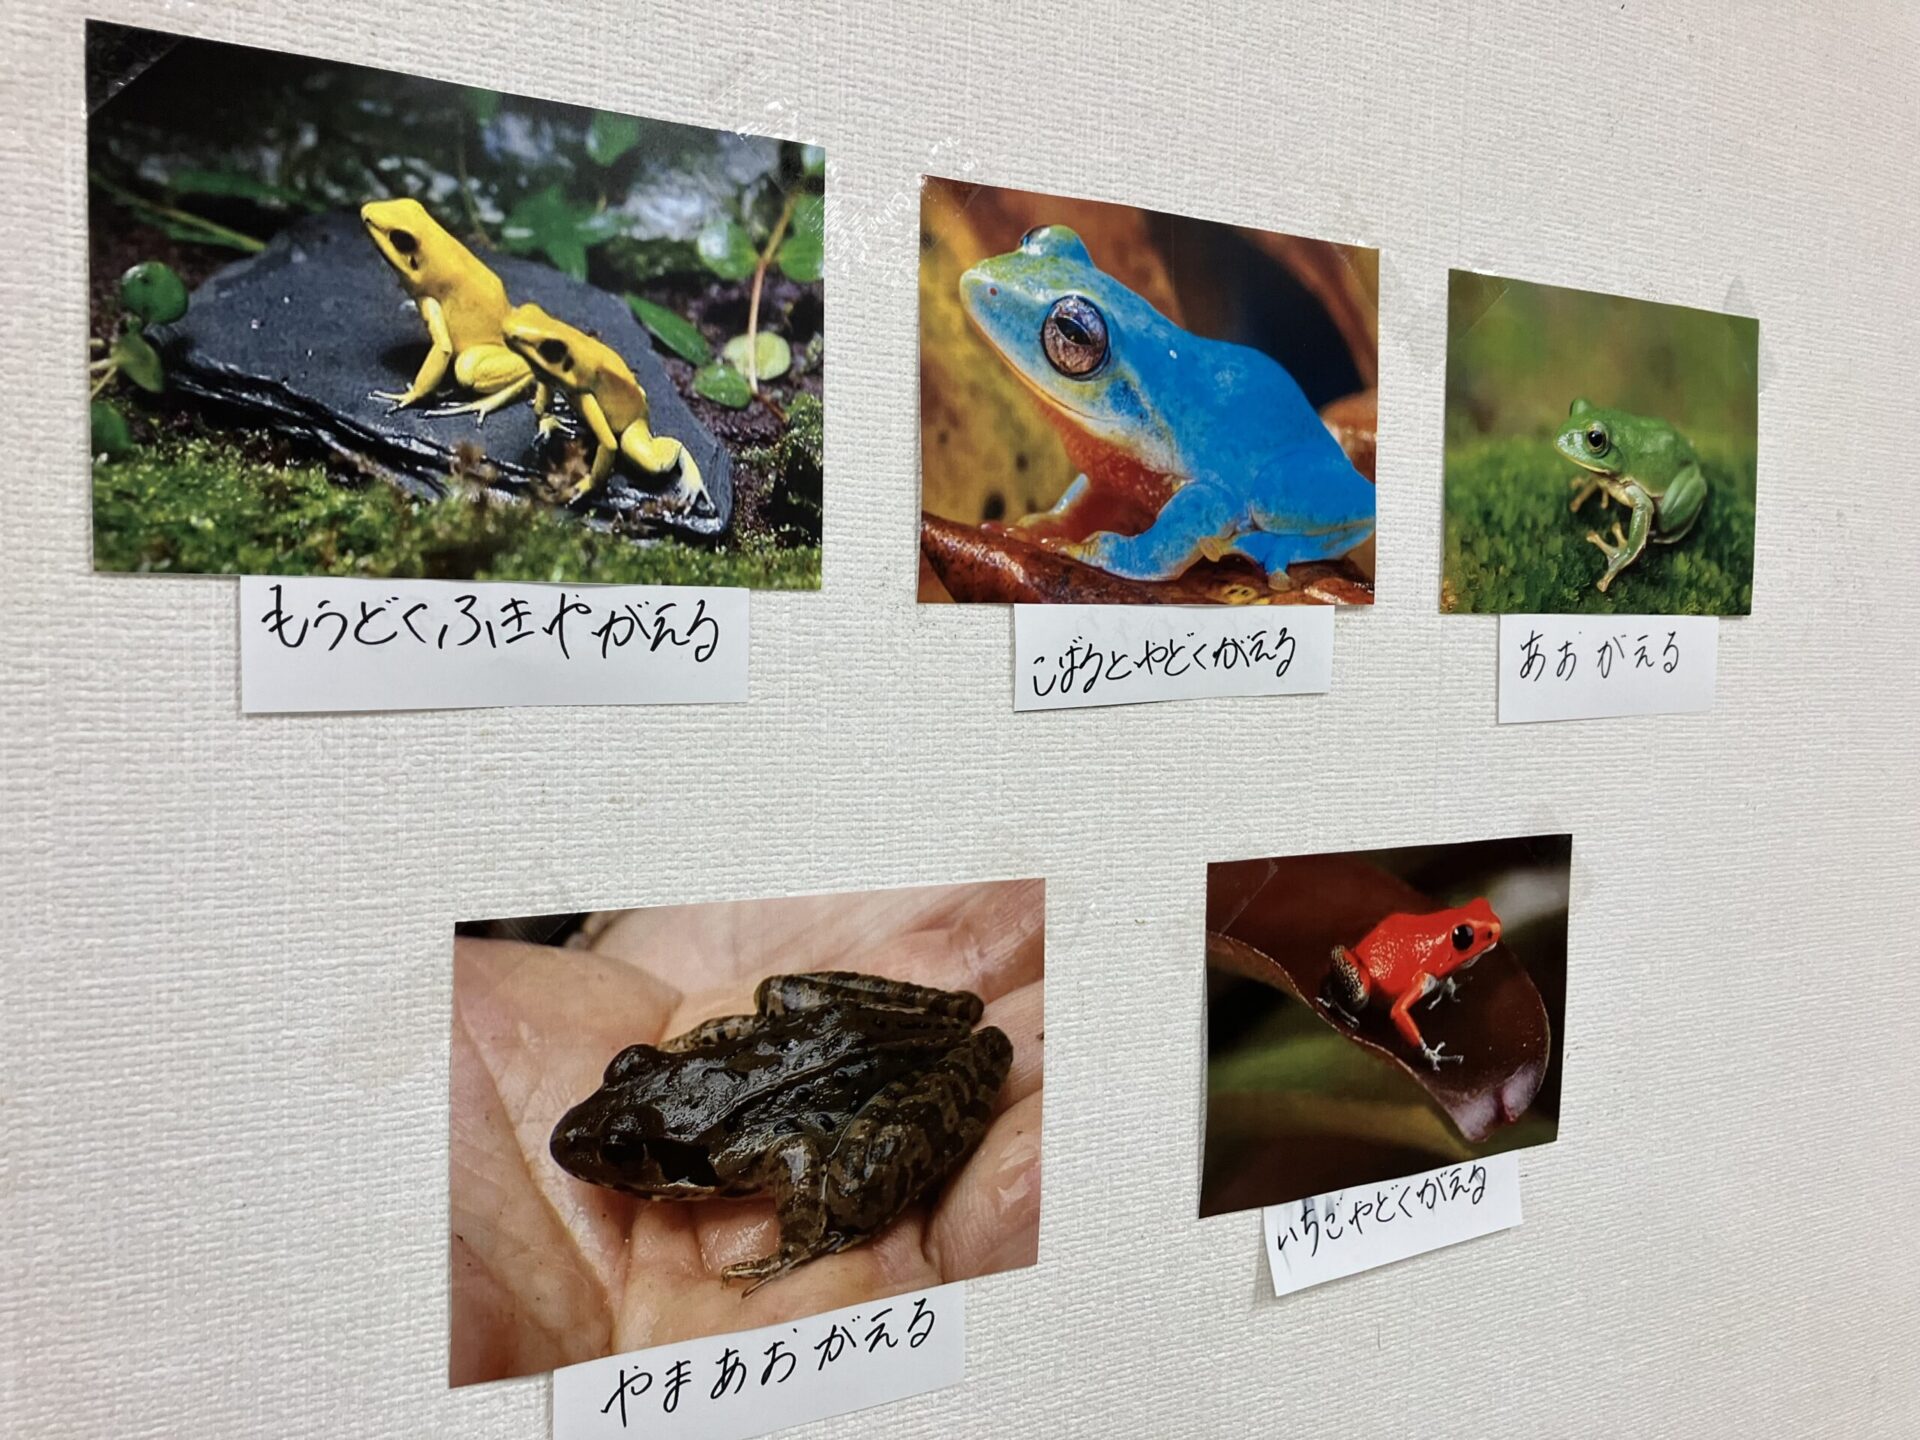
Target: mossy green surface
<point x="199" y="506"/>
<point x="1513" y="546"/>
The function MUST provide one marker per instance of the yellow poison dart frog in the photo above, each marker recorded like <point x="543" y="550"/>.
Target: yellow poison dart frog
<point x="464" y="305"/>
<point x="609" y="399"/>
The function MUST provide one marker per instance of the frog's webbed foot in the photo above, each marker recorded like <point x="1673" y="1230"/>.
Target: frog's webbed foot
<point x="1447" y="989"/>
<point x="1436" y="1059"/>
<point x="1610" y="551"/>
<point x="1583" y="487"/>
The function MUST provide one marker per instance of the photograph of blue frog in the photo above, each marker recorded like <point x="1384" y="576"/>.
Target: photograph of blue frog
<point x="1122" y="406"/>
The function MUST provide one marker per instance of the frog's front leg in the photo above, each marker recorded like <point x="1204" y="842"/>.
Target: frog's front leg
<point x="1199" y="522"/>
<point x="607" y="443"/>
<point x="494" y="373"/>
<point x="433" y="369"/>
<point x="1681" y="505"/>
<point x="1584" y="484"/>
<point x="1409" y="1029"/>
<point x="1626" y="548"/>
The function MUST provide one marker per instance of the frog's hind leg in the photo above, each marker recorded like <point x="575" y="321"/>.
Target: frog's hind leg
<point x="495" y="373"/>
<point x="912" y="1134"/>
<point x="663" y="455"/>
<point x="901" y="1143"/>
<point x="784" y="994"/>
<point x="1346" y="989"/>
<point x="1680" y="507"/>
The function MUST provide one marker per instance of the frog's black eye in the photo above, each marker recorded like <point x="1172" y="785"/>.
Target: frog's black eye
<point x="554" y="352"/>
<point x="628" y="1061"/>
<point x="1597" y="439"/>
<point x="403" y="241"/>
<point x="1075" y="336"/>
<point x="1463" y="937"/>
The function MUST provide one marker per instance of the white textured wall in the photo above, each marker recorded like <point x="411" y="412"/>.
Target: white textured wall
<point x="224" y="968"/>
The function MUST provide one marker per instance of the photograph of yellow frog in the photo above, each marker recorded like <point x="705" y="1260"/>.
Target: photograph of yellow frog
<point x="1372" y="1014"/>
<point x="1600" y="453"/>
<point x="1123" y="406"/>
<point x="698" y="1119"/>
<point x="352" y="322"/>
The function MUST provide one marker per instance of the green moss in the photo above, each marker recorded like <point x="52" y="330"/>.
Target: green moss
<point x="1511" y="544"/>
<point x="198" y="506"/>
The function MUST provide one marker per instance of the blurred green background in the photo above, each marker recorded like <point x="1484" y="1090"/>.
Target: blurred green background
<point x="1518" y="355"/>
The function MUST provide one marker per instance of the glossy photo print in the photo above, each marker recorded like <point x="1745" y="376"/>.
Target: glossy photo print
<point x="1600" y="453"/>
<point x="351" y="322"/>
<point x="693" y="1120"/>
<point x="1123" y="406"/>
<point x="1377" y="1013"/>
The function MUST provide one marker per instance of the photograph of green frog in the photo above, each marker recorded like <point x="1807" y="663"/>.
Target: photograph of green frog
<point x="692" y="1120"/>
<point x="1600" y="453"/>
<point x="346" y="321"/>
<point x="1373" y="1014"/>
<point x="1123" y="406"/>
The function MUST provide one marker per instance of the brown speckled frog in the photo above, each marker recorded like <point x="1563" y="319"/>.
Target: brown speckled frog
<point x="845" y="1097"/>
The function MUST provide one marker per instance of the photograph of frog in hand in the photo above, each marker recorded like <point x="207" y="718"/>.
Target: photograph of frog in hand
<point x="1377" y="1013"/>
<point x="352" y="322"/>
<point x="698" y="1119"/>
<point x="1122" y="406"/>
<point x="1600" y="453"/>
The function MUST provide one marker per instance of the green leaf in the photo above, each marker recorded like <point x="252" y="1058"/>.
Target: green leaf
<point x="803" y="255"/>
<point x="672" y="331"/>
<point x="723" y="385"/>
<point x="232" y="184"/>
<point x="611" y="136"/>
<point x="802" y="258"/>
<point x="111" y="437"/>
<point x="727" y="250"/>
<point x="772" y="355"/>
<point x="813" y="160"/>
<point x="139" y="361"/>
<point x="483" y="105"/>
<point x="547" y="223"/>
<point x="153" y="292"/>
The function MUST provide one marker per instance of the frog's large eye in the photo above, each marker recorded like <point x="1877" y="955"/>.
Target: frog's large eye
<point x="1597" y="439"/>
<point x="554" y="352"/>
<point x="1463" y="937"/>
<point x="403" y="241"/>
<point x="1075" y="336"/>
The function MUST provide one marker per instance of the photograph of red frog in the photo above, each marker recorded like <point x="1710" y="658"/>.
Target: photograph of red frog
<point x="1373" y="1014"/>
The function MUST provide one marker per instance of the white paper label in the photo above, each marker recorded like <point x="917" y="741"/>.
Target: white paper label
<point x="1346" y="1231"/>
<point x="1578" y="667"/>
<point x="729" y="1387"/>
<point x="329" y="644"/>
<point x="1065" y="656"/>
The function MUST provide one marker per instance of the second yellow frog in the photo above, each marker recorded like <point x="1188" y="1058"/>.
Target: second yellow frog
<point x="609" y="400"/>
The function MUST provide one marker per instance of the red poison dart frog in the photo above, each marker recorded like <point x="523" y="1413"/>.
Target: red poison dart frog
<point x="1406" y="957"/>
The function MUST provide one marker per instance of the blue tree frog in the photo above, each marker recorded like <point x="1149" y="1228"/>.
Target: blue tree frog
<point x="1188" y="448"/>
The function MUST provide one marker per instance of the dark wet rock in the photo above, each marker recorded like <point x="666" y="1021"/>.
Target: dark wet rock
<point x="297" y="338"/>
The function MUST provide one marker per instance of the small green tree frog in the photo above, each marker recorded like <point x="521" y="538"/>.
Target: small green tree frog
<point x="1188" y="448"/>
<point x="1646" y="465"/>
